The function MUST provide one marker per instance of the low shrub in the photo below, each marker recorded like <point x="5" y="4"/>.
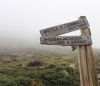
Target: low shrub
<point x="35" y="63"/>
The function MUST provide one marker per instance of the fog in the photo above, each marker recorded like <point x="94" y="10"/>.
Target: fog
<point x="21" y="20"/>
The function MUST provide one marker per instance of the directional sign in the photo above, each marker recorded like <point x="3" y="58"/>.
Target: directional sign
<point x="66" y="40"/>
<point x="64" y="28"/>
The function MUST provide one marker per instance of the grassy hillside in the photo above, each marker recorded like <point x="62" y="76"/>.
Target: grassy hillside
<point x="31" y="62"/>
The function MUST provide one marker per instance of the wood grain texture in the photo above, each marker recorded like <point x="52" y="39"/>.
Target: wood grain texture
<point x="83" y="66"/>
<point x="64" y="28"/>
<point x="67" y="40"/>
<point x="90" y="71"/>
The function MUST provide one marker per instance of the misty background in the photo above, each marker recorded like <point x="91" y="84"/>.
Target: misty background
<point x="21" y="20"/>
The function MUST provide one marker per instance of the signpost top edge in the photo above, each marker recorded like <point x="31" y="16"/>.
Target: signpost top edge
<point x="63" y="24"/>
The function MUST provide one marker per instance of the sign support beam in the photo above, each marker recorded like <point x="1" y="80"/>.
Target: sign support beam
<point x="74" y="48"/>
<point x="88" y="75"/>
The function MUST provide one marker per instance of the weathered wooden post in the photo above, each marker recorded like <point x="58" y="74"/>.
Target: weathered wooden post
<point x="88" y="75"/>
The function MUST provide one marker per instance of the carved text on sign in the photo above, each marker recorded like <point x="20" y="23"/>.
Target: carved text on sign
<point x="66" y="40"/>
<point x="64" y="28"/>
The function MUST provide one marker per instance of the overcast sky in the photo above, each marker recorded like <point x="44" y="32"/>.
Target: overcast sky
<point x="22" y="19"/>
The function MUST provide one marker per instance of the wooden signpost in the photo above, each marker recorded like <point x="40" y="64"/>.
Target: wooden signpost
<point x="88" y="75"/>
<point x="66" y="40"/>
<point x="65" y="28"/>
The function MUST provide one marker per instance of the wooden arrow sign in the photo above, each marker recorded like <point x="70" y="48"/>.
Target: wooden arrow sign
<point x="64" y="28"/>
<point x="66" y="40"/>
